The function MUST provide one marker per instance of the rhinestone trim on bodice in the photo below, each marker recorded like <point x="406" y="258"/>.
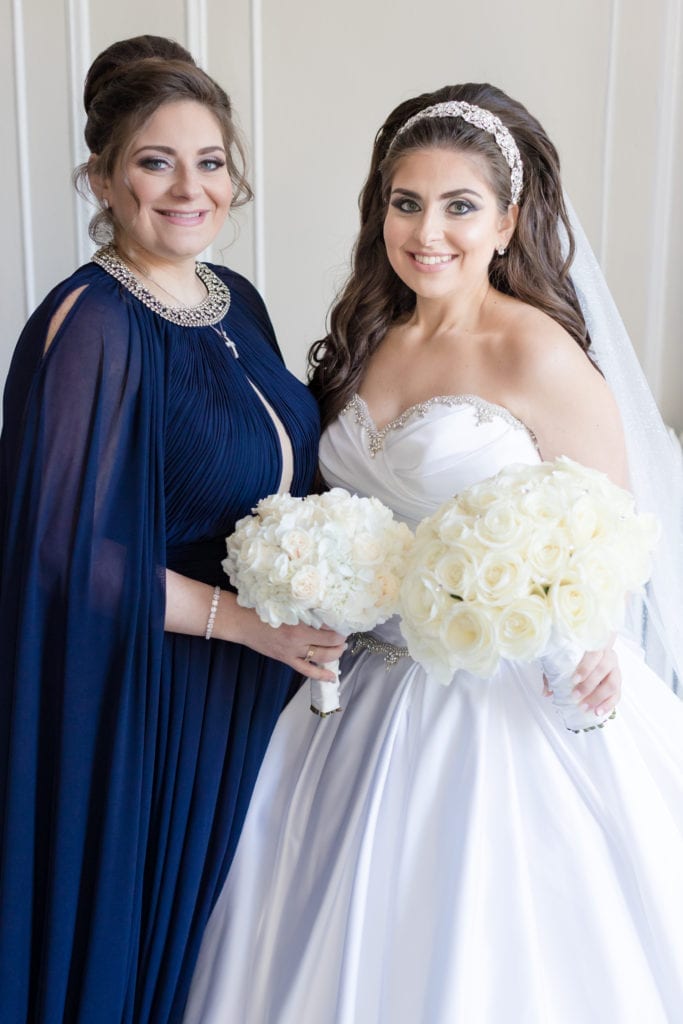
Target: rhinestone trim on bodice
<point x="209" y="311"/>
<point x="485" y="411"/>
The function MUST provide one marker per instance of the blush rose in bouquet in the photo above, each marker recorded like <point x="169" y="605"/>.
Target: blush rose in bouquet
<point x="536" y="562"/>
<point x="332" y="559"/>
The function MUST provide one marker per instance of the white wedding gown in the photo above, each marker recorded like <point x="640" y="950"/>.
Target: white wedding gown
<point x="453" y="855"/>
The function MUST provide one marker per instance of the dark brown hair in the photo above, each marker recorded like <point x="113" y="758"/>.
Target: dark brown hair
<point x="534" y="269"/>
<point x="125" y="85"/>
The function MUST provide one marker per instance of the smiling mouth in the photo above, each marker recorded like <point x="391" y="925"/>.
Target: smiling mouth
<point x="191" y="216"/>
<point x="430" y="261"/>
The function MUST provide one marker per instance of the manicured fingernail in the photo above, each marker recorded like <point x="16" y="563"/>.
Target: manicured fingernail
<point x="586" y="707"/>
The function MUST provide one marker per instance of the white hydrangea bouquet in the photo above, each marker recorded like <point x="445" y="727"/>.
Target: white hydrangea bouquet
<point x="332" y="559"/>
<point x="535" y="562"/>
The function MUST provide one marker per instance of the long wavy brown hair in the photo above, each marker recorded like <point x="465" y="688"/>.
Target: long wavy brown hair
<point x="535" y="268"/>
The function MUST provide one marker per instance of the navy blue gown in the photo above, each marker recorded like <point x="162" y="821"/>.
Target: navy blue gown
<point x="127" y="754"/>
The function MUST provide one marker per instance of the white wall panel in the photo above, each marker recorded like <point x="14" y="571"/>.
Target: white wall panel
<point x="333" y="72"/>
<point x="12" y="269"/>
<point x="314" y="80"/>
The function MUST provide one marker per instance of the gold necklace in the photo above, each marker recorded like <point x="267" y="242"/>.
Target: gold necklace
<point x="230" y="344"/>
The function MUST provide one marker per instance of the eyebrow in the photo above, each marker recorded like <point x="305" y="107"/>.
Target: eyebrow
<point x="446" y="195"/>
<point x="171" y="151"/>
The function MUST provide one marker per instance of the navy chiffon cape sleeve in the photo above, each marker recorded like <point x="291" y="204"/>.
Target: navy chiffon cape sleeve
<point x="127" y="755"/>
<point x="81" y="613"/>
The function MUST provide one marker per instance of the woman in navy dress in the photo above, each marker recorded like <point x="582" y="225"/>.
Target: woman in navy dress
<point x="146" y="410"/>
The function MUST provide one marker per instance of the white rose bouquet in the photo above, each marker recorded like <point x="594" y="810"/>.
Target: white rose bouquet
<point x="535" y="562"/>
<point x="331" y="559"/>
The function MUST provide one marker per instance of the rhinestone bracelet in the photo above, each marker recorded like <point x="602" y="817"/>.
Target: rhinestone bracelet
<point x="212" y="613"/>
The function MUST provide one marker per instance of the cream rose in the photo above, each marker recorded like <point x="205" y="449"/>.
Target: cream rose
<point x="468" y="633"/>
<point x="502" y="525"/>
<point x="307" y="585"/>
<point x="502" y="576"/>
<point x="547" y="553"/>
<point x="523" y="629"/>
<point x="297" y="544"/>
<point x="422" y="600"/>
<point x="456" y="570"/>
<point x="576" y="612"/>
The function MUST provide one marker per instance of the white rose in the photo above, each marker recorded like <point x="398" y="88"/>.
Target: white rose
<point x="502" y="525"/>
<point x="386" y="589"/>
<point x="422" y="600"/>
<point x="456" y="571"/>
<point x="576" y="612"/>
<point x="297" y="544"/>
<point x="600" y="567"/>
<point x="468" y="632"/>
<point x="523" y="629"/>
<point x="430" y="653"/>
<point x="501" y="577"/>
<point x="366" y="549"/>
<point x="306" y="585"/>
<point x="454" y="524"/>
<point x="583" y="520"/>
<point x="544" y="504"/>
<point x="634" y="542"/>
<point x="478" y="497"/>
<point x="547" y="554"/>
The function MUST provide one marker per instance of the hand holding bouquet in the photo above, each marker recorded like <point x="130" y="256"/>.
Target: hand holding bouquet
<point x="535" y="562"/>
<point x="332" y="559"/>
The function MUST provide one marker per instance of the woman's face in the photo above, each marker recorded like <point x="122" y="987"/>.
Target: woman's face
<point x="171" y="191"/>
<point x="443" y="223"/>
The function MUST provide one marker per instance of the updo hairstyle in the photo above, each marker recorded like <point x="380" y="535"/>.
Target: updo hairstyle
<point x="125" y="86"/>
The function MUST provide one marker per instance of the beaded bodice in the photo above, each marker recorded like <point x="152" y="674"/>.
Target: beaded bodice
<point x="426" y="455"/>
<point x="484" y="411"/>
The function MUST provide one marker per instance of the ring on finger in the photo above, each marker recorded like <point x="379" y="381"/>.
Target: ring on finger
<point x="309" y="653"/>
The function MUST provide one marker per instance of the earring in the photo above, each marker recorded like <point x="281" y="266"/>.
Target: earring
<point x="501" y="250"/>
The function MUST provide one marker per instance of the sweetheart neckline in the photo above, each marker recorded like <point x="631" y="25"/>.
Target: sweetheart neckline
<point x="485" y="411"/>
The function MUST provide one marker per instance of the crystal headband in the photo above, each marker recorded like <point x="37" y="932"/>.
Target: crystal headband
<point x="485" y="120"/>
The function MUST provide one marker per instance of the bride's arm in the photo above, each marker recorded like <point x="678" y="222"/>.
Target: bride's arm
<point x="568" y="405"/>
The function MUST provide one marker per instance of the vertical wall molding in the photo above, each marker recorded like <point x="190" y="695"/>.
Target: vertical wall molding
<point x="78" y="31"/>
<point x="25" y="198"/>
<point x="608" y="128"/>
<point x="196" y="30"/>
<point x="662" y="190"/>
<point x="257" y="145"/>
<point x="197" y="42"/>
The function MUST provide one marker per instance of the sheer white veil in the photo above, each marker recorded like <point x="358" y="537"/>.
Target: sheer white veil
<point x="654" y="456"/>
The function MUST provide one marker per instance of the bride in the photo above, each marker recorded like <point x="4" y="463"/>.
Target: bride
<point x="455" y="855"/>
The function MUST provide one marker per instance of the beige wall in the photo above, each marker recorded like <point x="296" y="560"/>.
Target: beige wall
<point x="312" y="80"/>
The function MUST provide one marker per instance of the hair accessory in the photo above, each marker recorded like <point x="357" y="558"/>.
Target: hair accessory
<point x="485" y="120"/>
<point x="212" y="613"/>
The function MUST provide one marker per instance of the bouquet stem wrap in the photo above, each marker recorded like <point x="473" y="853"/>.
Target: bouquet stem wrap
<point x="559" y="663"/>
<point x="325" y="695"/>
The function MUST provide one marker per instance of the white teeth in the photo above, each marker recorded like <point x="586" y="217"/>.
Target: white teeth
<point x="429" y="260"/>
<point x="178" y="213"/>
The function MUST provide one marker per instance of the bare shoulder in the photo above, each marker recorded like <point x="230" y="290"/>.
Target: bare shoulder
<point x="553" y="386"/>
<point x="61" y="313"/>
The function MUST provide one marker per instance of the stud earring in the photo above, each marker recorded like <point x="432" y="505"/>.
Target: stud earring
<point x="501" y="250"/>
